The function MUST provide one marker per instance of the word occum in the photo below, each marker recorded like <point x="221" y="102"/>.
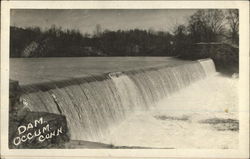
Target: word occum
<point x="38" y="130"/>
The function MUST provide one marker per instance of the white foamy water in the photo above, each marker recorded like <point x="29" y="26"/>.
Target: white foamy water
<point x="94" y="105"/>
<point x="181" y="106"/>
<point x="203" y="115"/>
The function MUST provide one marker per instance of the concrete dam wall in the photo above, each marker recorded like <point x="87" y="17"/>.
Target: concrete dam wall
<point x="93" y="105"/>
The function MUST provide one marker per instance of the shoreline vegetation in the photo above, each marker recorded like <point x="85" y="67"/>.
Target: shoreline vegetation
<point x="209" y="33"/>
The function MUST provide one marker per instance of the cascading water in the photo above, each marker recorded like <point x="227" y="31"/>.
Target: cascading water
<point x="208" y="66"/>
<point x="94" y="105"/>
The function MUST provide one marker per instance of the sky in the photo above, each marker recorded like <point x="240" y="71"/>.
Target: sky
<point x="85" y="20"/>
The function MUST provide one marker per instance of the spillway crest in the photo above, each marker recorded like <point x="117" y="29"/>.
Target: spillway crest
<point x="95" y="104"/>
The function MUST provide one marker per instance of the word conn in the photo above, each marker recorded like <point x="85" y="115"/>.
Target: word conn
<point x="39" y="130"/>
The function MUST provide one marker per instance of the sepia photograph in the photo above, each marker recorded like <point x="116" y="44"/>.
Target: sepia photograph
<point x="124" y="78"/>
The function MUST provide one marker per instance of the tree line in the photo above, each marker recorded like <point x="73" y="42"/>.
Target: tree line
<point x="209" y="25"/>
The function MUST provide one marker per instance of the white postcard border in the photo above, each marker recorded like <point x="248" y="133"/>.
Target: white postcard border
<point x="242" y="152"/>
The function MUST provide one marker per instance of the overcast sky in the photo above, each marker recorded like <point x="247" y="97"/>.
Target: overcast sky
<point x="111" y="19"/>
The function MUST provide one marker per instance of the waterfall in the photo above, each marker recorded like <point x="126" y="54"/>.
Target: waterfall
<point x="95" y="104"/>
<point x="208" y="66"/>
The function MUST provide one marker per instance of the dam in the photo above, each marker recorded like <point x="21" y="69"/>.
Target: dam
<point x="96" y="104"/>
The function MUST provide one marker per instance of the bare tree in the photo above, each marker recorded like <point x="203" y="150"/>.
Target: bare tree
<point x="98" y="30"/>
<point x="181" y="40"/>
<point x="180" y="30"/>
<point x="207" y="25"/>
<point x="214" y="19"/>
<point x="233" y="21"/>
